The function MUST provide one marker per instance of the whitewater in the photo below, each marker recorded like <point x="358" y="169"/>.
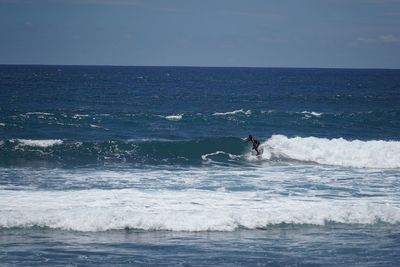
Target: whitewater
<point x="340" y="152"/>
<point x="191" y="210"/>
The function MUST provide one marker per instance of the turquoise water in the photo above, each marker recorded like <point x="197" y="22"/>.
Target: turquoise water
<point x="148" y="166"/>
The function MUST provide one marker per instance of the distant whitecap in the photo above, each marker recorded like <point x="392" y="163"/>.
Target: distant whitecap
<point x="174" y="117"/>
<point x="242" y="111"/>
<point x="39" y="143"/>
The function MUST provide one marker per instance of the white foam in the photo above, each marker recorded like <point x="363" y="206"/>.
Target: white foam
<point x="174" y="117"/>
<point x="2" y="124"/>
<point x="189" y="210"/>
<point x="205" y="157"/>
<point x="39" y="143"/>
<point x="80" y="116"/>
<point x="39" y="113"/>
<point x="312" y="113"/>
<point x="267" y="111"/>
<point x="150" y="140"/>
<point x="248" y="112"/>
<point x="340" y="152"/>
<point x="252" y="155"/>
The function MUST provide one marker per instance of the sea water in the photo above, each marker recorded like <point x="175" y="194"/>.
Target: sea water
<point x="121" y="166"/>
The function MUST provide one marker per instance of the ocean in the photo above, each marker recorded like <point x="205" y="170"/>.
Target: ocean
<point x="147" y="166"/>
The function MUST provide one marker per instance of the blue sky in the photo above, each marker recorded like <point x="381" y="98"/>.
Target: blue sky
<point x="275" y="33"/>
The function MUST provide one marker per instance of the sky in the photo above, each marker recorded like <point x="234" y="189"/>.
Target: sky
<point x="231" y="33"/>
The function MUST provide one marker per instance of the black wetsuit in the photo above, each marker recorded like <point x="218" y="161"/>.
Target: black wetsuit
<point x="255" y="143"/>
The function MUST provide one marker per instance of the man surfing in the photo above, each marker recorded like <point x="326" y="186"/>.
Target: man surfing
<point x="255" y="143"/>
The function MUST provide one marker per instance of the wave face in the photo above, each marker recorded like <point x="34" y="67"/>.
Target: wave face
<point x="190" y="210"/>
<point x="228" y="150"/>
<point x="149" y="152"/>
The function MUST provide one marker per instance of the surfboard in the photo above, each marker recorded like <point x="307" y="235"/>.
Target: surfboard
<point x="260" y="150"/>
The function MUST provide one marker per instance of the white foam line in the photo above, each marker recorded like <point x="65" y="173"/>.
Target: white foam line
<point x="231" y="156"/>
<point x="248" y="112"/>
<point x="39" y="113"/>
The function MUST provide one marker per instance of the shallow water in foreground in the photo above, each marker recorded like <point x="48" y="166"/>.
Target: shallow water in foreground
<point x="283" y="245"/>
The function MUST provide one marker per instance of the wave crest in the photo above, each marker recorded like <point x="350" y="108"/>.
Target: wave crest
<point x="340" y="152"/>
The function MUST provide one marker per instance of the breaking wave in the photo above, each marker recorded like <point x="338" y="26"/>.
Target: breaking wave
<point x="338" y="152"/>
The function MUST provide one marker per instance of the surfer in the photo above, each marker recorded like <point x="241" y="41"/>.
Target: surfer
<point x="255" y="143"/>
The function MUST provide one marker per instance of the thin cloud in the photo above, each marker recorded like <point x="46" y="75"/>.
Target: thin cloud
<point x="256" y="15"/>
<point x="389" y="39"/>
<point x="381" y="1"/>
<point x="166" y="7"/>
<point x="85" y="2"/>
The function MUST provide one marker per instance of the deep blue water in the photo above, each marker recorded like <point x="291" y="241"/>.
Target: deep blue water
<point x="148" y="166"/>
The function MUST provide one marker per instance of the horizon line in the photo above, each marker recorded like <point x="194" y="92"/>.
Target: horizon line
<point x="193" y="66"/>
